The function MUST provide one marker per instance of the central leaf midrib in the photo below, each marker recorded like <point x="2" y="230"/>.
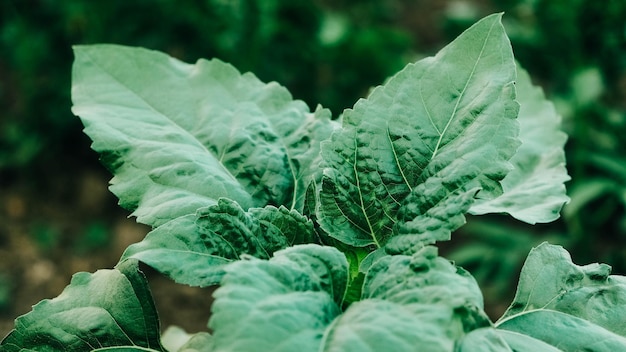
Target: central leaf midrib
<point x="458" y="101"/>
<point x="358" y="187"/>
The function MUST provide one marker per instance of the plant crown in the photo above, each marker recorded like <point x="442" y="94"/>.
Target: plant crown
<point x="320" y="232"/>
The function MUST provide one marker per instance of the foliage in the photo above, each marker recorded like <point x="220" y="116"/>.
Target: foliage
<point x="310" y="49"/>
<point x="321" y="236"/>
<point x="574" y="50"/>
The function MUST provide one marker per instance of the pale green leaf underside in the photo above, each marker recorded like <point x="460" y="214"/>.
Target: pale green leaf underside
<point x="193" y="249"/>
<point x="410" y="158"/>
<point x="534" y="190"/>
<point x="107" y="309"/>
<point x="179" y="136"/>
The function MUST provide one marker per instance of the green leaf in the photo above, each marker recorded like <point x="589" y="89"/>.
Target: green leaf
<point x="110" y="308"/>
<point x="199" y="342"/>
<point x="291" y="302"/>
<point x="193" y="249"/>
<point x="283" y="304"/>
<point x="408" y="301"/>
<point x="564" y="331"/>
<point x="550" y="281"/>
<point x="179" y="136"/>
<point x="483" y="340"/>
<point x="377" y="325"/>
<point x="423" y="277"/>
<point x="524" y="343"/>
<point x="534" y="190"/>
<point x="410" y="159"/>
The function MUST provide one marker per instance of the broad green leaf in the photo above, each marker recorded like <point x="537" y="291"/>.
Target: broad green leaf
<point x="377" y="325"/>
<point x="291" y="303"/>
<point x="421" y="300"/>
<point x="483" y="340"/>
<point x="424" y="278"/>
<point x="410" y="159"/>
<point x="179" y="136"/>
<point x="179" y="250"/>
<point x="193" y="249"/>
<point x="524" y="343"/>
<point x="550" y="281"/>
<point x="106" y="309"/>
<point x="534" y="190"/>
<point x="489" y="339"/>
<point x="565" y="332"/>
<point x="283" y="304"/>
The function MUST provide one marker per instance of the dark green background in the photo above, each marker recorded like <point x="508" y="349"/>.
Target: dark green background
<point x="56" y="216"/>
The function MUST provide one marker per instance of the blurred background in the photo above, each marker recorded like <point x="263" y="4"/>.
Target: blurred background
<point x="57" y="216"/>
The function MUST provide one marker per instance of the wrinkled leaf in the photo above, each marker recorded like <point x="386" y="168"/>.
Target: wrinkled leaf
<point x="422" y="278"/>
<point x="283" y="304"/>
<point x="291" y="303"/>
<point x="534" y="190"/>
<point x="178" y="137"/>
<point x="565" y="332"/>
<point x="377" y="325"/>
<point x="421" y="300"/>
<point x="411" y="157"/>
<point x="524" y="343"/>
<point x="193" y="249"/>
<point x="109" y="308"/>
<point x="483" y="340"/>
<point x="550" y="281"/>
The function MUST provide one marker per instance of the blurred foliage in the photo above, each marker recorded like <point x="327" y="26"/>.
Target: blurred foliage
<point x="332" y="52"/>
<point x="5" y="291"/>
<point x="327" y="56"/>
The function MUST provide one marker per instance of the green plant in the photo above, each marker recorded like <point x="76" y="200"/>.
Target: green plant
<point x="580" y="68"/>
<point x="35" y="126"/>
<point x="320" y="234"/>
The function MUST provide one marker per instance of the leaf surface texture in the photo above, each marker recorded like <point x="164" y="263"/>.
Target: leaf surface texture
<point x="568" y="306"/>
<point x="534" y="190"/>
<point x="110" y="309"/>
<point x="178" y="137"/>
<point x="193" y="249"/>
<point x="292" y="302"/>
<point x="410" y="158"/>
